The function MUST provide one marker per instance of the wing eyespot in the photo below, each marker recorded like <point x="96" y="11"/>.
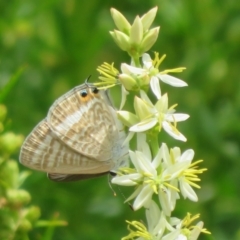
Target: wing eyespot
<point x="83" y="93"/>
<point x="95" y="90"/>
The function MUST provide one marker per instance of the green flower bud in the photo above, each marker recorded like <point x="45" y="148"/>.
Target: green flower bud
<point x="33" y="213"/>
<point x="25" y="225"/>
<point x="18" y="197"/>
<point x="142" y="108"/>
<point x="3" y="112"/>
<point x="136" y="32"/>
<point x="147" y="19"/>
<point x="9" y="173"/>
<point x="127" y="118"/>
<point x="120" y="21"/>
<point x="121" y="39"/>
<point x="127" y="81"/>
<point x="149" y="39"/>
<point x="10" y="142"/>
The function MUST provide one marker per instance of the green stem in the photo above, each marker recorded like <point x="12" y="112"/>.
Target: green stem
<point x="136" y="61"/>
<point x="152" y="139"/>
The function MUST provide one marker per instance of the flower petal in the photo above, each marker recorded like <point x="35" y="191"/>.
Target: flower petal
<point x="162" y="104"/>
<point x="143" y="197"/>
<point x="127" y="180"/>
<point x="144" y="125"/>
<point x="196" y="231"/>
<point x="134" y="160"/>
<point x="145" y="98"/>
<point x="172" y="235"/>
<point x="173" y="81"/>
<point x="142" y="108"/>
<point x="135" y="193"/>
<point x="145" y="149"/>
<point x="158" y="159"/>
<point x="128" y="69"/>
<point x="165" y="200"/>
<point x="124" y="96"/>
<point x="176" y="117"/>
<point x="187" y="156"/>
<point x="152" y="214"/>
<point x="128" y="138"/>
<point x="176" y="151"/>
<point x="175" y="134"/>
<point x="145" y="164"/>
<point x="155" y="86"/>
<point x="174" y="170"/>
<point x="147" y="61"/>
<point x="187" y="191"/>
<point x="127" y="118"/>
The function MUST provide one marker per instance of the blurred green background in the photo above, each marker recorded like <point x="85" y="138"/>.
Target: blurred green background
<point x="62" y="42"/>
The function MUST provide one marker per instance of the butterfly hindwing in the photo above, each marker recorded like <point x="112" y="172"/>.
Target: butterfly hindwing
<point x="56" y="177"/>
<point x="44" y="151"/>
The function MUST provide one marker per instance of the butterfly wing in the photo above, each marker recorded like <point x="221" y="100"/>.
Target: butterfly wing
<point x="86" y="124"/>
<point x="58" y="177"/>
<point x="43" y="151"/>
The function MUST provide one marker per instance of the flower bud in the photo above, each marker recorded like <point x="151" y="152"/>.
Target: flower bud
<point x="121" y="39"/>
<point x="141" y="107"/>
<point x="18" y="197"/>
<point x="10" y="142"/>
<point x="25" y="225"/>
<point x="147" y="19"/>
<point x="9" y="173"/>
<point x="120" y="21"/>
<point x="149" y="39"/>
<point x="33" y="213"/>
<point x="136" y="32"/>
<point x="127" y="81"/>
<point x="127" y="118"/>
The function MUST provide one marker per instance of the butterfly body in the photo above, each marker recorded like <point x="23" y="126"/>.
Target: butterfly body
<point x="80" y="136"/>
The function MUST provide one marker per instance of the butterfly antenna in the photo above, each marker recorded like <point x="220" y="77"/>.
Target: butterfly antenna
<point x="86" y="81"/>
<point x="110" y="185"/>
<point x="114" y="193"/>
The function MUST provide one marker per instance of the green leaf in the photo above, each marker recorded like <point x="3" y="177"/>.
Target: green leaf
<point x="10" y="84"/>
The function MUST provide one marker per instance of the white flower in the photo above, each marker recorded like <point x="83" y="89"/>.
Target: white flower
<point x="179" y="166"/>
<point x="156" y="225"/>
<point x="149" y="73"/>
<point x="184" y="230"/>
<point x="149" y="177"/>
<point x="152" y="67"/>
<point x="163" y="175"/>
<point x="159" y="228"/>
<point x="145" y="170"/>
<point x="160" y="114"/>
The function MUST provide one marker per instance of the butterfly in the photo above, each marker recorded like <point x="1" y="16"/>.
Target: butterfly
<point x="80" y="138"/>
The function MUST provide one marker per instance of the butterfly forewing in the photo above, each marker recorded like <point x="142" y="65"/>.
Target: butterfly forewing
<point x="71" y="119"/>
<point x="80" y="137"/>
<point x="43" y="151"/>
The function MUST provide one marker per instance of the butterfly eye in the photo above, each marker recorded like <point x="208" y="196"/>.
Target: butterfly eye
<point x="83" y="93"/>
<point x="95" y="90"/>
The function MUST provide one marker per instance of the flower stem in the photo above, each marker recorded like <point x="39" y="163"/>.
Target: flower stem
<point x="152" y="140"/>
<point x="136" y="61"/>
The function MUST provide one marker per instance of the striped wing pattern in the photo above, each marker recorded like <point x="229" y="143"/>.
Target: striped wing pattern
<point x="88" y="127"/>
<point x="80" y="138"/>
<point x="43" y="151"/>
